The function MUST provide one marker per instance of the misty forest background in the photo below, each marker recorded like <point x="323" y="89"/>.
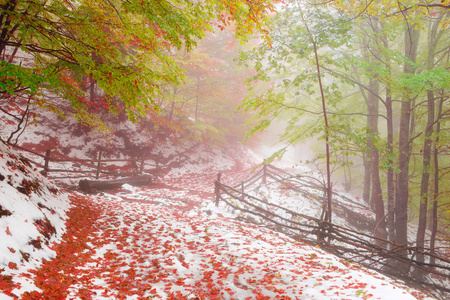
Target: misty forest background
<point x="365" y="84"/>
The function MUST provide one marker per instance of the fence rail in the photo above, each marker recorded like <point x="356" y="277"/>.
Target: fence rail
<point x="94" y="166"/>
<point x="376" y="253"/>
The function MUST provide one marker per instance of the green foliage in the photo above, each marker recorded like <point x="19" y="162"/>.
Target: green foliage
<point x="285" y="83"/>
<point x="358" y="43"/>
<point x="125" y="47"/>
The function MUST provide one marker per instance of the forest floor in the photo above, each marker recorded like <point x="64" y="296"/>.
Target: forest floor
<point x="169" y="241"/>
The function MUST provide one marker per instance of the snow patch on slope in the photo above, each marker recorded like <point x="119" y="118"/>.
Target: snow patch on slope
<point x="32" y="214"/>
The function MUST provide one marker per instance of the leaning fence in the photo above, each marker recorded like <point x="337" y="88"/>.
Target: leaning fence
<point x="400" y="261"/>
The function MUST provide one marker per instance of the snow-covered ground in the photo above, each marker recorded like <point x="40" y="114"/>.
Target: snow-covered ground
<point x="167" y="241"/>
<point x="32" y="217"/>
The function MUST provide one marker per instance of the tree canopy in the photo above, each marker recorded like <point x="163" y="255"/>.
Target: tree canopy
<point x="383" y="69"/>
<point x="125" y="48"/>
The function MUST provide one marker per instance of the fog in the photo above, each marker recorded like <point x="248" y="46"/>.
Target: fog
<point x="268" y="143"/>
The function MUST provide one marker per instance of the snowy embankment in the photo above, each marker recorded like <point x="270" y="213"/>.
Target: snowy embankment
<point x="167" y="241"/>
<point x="32" y="217"/>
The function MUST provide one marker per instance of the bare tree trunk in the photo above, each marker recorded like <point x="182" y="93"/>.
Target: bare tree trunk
<point x="367" y="181"/>
<point x="372" y="121"/>
<point x="372" y="54"/>
<point x="374" y="174"/>
<point x="434" y="216"/>
<point x="433" y="39"/>
<point x="377" y="196"/>
<point x="401" y="204"/>
<point x="420" y="241"/>
<point x="327" y="129"/>
<point x="347" y="174"/>
<point x="367" y="178"/>
<point x="390" y="154"/>
<point x="390" y="170"/>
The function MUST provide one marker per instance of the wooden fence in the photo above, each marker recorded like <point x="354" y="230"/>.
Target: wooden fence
<point x="92" y="167"/>
<point x="373" y="252"/>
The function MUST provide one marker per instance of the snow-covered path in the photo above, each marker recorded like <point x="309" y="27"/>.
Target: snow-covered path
<point x="170" y="243"/>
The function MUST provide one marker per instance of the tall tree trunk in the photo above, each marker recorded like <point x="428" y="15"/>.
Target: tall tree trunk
<point x="372" y="53"/>
<point x="433" y="38"/>
<point x="327" y="134"/>
<point x="420" y="240"/>
<point x="366" y="157"/>
<point x="367" y="178"/>
<point x="327" y="127"/>
<point x="377" y="193"/>
<point x="401" y="204"/>
<point x="390" y="152"/>
<point x="372" y="123"/>
<point x="434" y="216"/>
<point x="390" y="170"/>
<point x="377" y="198"/>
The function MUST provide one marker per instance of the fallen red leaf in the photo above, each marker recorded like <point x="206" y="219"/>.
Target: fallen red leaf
<point x="12" y="265"/>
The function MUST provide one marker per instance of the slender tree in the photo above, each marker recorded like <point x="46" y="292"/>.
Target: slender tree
<point x="300" y="32"/>
<point x="329" y="209"/>
<point x="433" y="39"/>
<point x="412" y="34"/>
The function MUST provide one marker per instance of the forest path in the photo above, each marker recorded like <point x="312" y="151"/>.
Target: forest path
<point x="170" y="242"/>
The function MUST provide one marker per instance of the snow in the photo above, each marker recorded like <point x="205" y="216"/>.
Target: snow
<point x="168" y="241"/>
<point x="19" y="228"/>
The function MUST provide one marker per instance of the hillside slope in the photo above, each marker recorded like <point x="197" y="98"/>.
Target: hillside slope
<point x="167" y="241"/>
<point x="32" y="217"/>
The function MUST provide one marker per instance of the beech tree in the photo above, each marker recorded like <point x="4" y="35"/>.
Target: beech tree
<point x="393" y="60"/>
<point x="303" y="42"/>
<point x="124" y="47"/>
<point x="410" y="74"/>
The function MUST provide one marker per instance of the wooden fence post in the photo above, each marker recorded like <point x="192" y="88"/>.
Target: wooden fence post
<point x="264" y="174"/>
<point x="97" y="175"/>
<point x="141" y="167"/>
<point x="47" y="160"/>
<point x="217" y="189"/>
